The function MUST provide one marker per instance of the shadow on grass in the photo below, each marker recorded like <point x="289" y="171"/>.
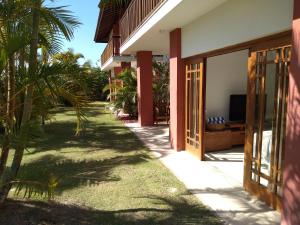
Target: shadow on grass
<point x="103" y="134"/>
<point x="71" y="174"/>
<point x="88" y="111"/>
<point x="60" y="135"/>
<point x="164" y="212"/>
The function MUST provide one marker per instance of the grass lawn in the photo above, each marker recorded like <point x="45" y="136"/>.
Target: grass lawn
<point x="106" y="177"/>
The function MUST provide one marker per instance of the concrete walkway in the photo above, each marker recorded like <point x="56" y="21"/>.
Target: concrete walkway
<point x="216" y="182"/>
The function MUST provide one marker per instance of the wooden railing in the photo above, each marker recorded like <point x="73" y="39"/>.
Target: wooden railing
<point x="136" y="13"/>
<point x="112" y="49"/>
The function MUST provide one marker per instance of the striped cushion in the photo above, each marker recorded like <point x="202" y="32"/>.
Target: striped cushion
<point x="215" y="120"/>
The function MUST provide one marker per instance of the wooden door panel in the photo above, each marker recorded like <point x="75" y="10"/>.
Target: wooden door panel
<point x="194" y="109"/>
<point x="265" y="126"/>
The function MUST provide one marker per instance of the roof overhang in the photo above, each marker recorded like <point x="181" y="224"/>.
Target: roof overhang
<point x="109" y="15"/>
<point x="153" y="35"/>
<point x="115" y="61"/>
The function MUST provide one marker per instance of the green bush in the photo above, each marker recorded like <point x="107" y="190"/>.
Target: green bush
<point x="125" y="97"/>
<point x="96" y="81"/>
<point x="161" y="92"/>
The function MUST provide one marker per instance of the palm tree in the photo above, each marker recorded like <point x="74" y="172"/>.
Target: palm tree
<point x="28" y="82"/>
<point x="12" y="39"/>
<point x="68" y="57"/>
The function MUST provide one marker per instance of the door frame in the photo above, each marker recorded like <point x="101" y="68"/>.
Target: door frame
<point x="272" y="41"/>
<point x="282" y="38"/>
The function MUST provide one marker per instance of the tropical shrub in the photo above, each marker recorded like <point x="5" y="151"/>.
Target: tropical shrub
<point x="31" y="82"/>
<point x="96" y="81"/>
<point x="125" y="97"/>
<point x="161" y="89"/>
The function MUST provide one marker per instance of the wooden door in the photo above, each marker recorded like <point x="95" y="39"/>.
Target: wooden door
<point x="194" y="109"/>
<point x="268" y="78"/>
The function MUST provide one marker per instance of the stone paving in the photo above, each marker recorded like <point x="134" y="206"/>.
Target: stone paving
<point x="217" y="182"/>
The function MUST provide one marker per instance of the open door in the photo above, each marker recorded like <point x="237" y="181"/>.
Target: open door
<point x="194" y="108"/>
<point x="268" y="78"/>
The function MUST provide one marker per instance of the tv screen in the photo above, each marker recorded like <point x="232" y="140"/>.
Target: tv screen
<point x="237" y="109"/>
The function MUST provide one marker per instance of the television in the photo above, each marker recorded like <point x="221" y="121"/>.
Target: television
<point x="237" y="108"/>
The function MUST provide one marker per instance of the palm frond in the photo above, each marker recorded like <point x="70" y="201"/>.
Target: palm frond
<point x="31" y="189"/>
<point x="61" y="80"/>
<point x="59" y="20"/>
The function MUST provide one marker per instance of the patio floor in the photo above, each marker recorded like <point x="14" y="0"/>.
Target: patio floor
<point x="217" y="182"/>
<point x="229" y="162"/>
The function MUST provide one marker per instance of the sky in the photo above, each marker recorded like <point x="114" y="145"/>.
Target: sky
<point x="87" y="12"/>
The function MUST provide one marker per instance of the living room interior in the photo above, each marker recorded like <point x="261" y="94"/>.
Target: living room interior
<point x="225" y="111"/>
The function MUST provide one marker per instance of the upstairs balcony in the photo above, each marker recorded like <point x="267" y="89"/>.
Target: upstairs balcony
<point x="112" y="49"/>
<point x="135" y="15"/>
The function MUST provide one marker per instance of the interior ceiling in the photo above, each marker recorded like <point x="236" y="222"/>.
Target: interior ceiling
<point x="157" y="38"/>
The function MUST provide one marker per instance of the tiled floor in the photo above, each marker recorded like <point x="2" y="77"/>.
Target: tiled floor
<point x="217" y="182"/>
<point x="230" y="162"/>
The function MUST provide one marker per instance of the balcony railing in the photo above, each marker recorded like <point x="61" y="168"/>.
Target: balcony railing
<point x="112" y="49"/>
<point x="136" y="13"/>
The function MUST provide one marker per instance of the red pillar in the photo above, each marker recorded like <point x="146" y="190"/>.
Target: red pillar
<point x="117" y="71"/>
<point x="291" y="175"/>
<point x="144" y="88"/>
<point x="125" y="65"/>
<point x="177" y="92"/>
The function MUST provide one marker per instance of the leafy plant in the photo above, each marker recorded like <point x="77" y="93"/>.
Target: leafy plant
<point x="31" y="81"/>
<point x="161" y="92"/>
<point x="125" y="96"/>
<point x="31" y="189"/>
<point x="96" y="80"/>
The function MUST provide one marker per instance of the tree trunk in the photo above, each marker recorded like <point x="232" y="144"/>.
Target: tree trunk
<point x="4" y="154"/>
<point x="10" y="107"/>
<point x="22" y="71"/>
<point x="28" y="102"/>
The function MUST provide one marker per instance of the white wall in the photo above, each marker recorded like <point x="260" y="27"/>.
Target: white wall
<point x="234" y="22"/>
<point x="226" y="75"/>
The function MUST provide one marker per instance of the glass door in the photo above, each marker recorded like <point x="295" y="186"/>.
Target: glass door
<point x="268" y="80"/>
<point x="194" y="109"/>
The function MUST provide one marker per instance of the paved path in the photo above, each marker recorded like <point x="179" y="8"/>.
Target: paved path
<point x="215" y="187"/>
